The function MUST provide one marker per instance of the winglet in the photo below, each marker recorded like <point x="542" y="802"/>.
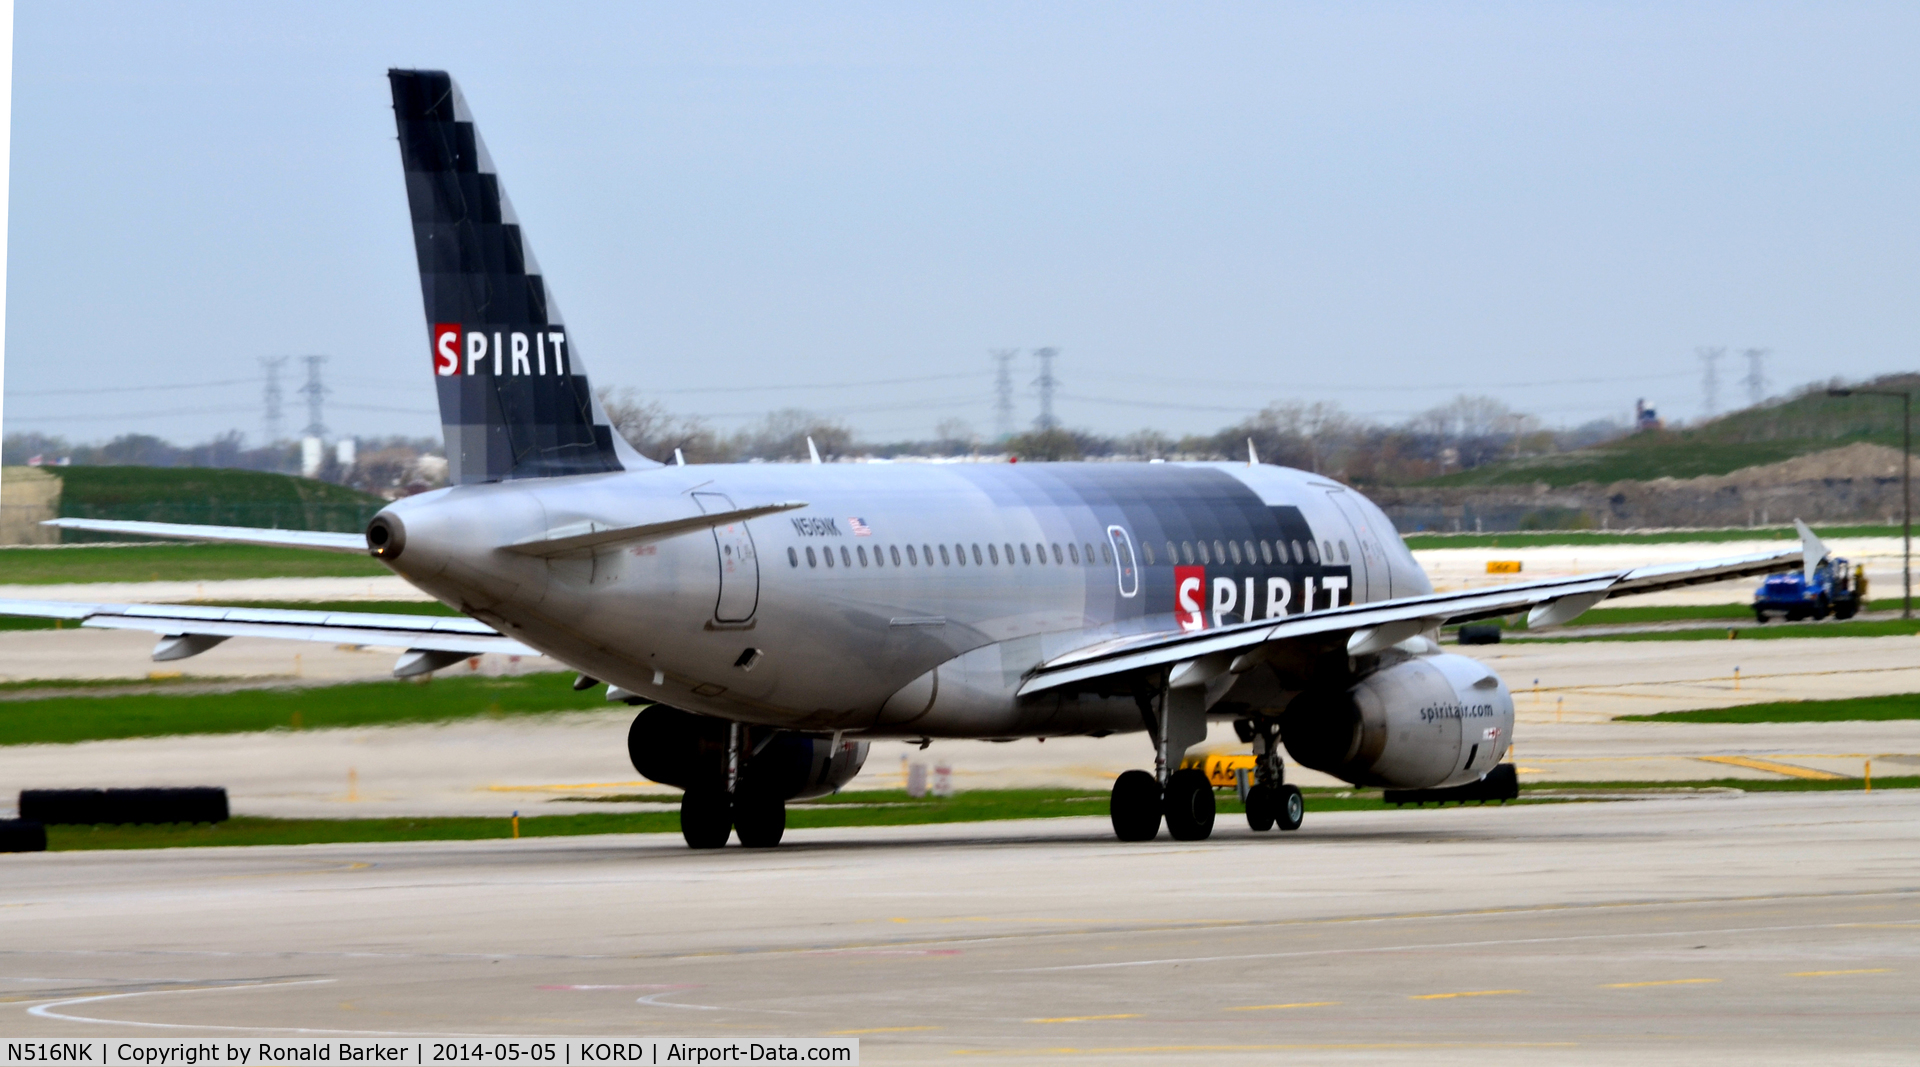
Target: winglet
<point x="1253" y="458"/>
<point x="1812" y="549"/>
<point x="812" y="451"/>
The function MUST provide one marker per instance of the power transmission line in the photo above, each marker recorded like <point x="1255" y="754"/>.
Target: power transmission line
<point x="1003" y="391"/>
<point x="1756" y="379"/>
<point x="316" y="393"/>
<point x="270" y="397"/>
<point x="1046" y="382"/>
<point x="1709" y="357"/>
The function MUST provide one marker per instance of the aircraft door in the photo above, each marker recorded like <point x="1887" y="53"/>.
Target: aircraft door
<point x="1371" y="572"/>
<point x="1123" y="562"/>
<point x="739" y="563"/>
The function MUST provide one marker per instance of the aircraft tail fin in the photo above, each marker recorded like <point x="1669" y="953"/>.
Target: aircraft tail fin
<point x="515" y="401"/>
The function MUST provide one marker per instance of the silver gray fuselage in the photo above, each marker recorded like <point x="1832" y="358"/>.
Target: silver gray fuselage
<point x="905" y="599"/>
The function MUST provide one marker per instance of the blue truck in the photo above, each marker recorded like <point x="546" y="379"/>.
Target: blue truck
<point x="1836" y="589"/>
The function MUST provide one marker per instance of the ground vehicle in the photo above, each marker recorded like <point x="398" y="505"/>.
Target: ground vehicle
<point x="1835" y="588"/>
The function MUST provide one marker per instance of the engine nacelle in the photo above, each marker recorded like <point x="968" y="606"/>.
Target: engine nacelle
<point x="1422" y="723"/>
<point x="689" y="751"/>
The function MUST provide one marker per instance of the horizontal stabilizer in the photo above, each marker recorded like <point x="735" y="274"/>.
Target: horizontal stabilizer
<point x="583" y="536"/>
<point x="441" y="633"/>
<point x="233" y="535"/>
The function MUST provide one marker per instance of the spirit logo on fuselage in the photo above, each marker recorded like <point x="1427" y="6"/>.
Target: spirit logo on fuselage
<point x="1199" y="603"/>
<point x="503" y="352"/>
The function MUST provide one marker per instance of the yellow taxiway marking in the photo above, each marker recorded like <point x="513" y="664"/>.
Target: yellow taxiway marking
<point x="880" y="1030"/>
<point x="1274" y="1007"/>
<point x="1082" y="1018"/>
<point x="1469" y="993"/>
<point x="1829" y="974"/>
<point x="1669" y="981"/>
<point x="1787" y="769"/>
<point x="565" y="786"/>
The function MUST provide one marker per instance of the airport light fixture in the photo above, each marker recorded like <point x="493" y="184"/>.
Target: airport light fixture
<point x="1906" y="484"/>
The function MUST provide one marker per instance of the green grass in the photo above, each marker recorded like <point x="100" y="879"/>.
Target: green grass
<point x="62" y="720"/>
<point x="1851" y="709"/>
<point x="176" y="563"/>
<point x="1769" y="632"/>
<point x="1547" y="538"/>
<point x="212" y="495"/>
<point x="880" y="808"/>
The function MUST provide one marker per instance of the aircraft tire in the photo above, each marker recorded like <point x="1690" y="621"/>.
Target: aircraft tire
<point x="1263" y="803"/>
<point x="706" y="818"/>
<point x="1189" y="805"/>
<point x="759" y="820"/>
<point x="1135" y="807"/>
<point x="1291" y="808"/>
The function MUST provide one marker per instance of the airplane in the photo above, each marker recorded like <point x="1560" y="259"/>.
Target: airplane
<point x="772" y="620"/>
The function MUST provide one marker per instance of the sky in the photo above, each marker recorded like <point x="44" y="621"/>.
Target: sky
<point x="1206" y="208"/>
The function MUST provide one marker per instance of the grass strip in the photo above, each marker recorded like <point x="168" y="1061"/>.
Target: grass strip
<point x="1850" y="709"/>
<point x="1770" y="632"/>
<point x="877" y="808"/>
<point x="1551" y="538"/>
<point x="66" y="719"/>
<point x="177" y="563"/>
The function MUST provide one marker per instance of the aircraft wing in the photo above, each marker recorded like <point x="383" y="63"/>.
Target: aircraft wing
<point x="431" y="641"/>
<point x="1372" y="627"/>
<point x="238" y="535"/>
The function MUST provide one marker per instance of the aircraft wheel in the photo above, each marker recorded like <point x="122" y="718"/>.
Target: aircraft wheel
<point x="1135" y="807"/>
<point x="1263" y="803"/>
<point x="1292" y="808"/>
<point x="759" y="820"/>
<point x="1189" y="805"/>
<point x="706" y="817"/>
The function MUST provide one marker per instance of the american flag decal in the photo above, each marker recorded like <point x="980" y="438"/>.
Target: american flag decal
<point x="859" y="527"/>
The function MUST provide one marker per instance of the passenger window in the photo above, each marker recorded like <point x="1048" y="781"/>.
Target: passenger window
<point x="1204" y="558"/>
<point x="1073" y="552"/>
<point x="912" y="560"/>
<point x="846" y="557"/>
<point x="1026" y="554"/>
<point x="927" y="552"/>
<point x="1326" y="551"/>
<point x="1040" y="551"/>
<point x="1250" y="552"/>
<point x="1313" y="553"/>
<point x="1186" y="552"/>
<point x="1106" y="554"/>
<point x="1219" y="552"/>
<point x="977" y="561"/>
<point x="1058" y="556"/>
<point x="1146" y="553"/>
<point x="993" y="554"/>
<point x="960" y="554"/>
<point x="1009" y="555"/>
<point x="946" y="558"/>
<point x="1173" y="554"/>
<point x="862" y="553"/>
<point x="1298" y="556"/>
<point x="894" y="551"/>
<point x="811" y="562"/>
<point x="827" y="554"/>
<point x="1235" y="546"/>
<point x="1343" y="553"/>
<point x="1266" y="552"/>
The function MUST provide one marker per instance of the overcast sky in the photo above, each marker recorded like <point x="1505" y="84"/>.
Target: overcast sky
<point x="1207" y="207"/>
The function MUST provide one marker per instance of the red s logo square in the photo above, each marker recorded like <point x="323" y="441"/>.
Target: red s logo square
<point x="446" y="349"/>
<point x="1189" y="591"/>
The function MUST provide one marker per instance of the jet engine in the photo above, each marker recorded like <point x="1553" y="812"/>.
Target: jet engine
<point x="689" y="751"/>
<point x="1421" y="723"/>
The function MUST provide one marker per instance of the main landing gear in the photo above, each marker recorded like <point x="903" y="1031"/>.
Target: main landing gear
<point x="708" y="813"/>
<point x="1175" y="721"/>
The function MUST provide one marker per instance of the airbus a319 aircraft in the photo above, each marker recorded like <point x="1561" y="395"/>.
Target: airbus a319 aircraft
<point x="773" y="619"/>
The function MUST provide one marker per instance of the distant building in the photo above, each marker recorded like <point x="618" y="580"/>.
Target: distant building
<point x="1644" y="417"/>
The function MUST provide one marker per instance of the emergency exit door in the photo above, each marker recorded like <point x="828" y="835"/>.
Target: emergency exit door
<point x="739" y="564"/>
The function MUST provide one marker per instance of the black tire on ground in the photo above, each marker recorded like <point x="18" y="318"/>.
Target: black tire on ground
<point x="706" y="818"/>
<point x="759" y="820"/>
<point x="1795" y="615"/>
<point x="1263" y="803"/>
<point x="1189" y="805"/>
<point x="22" y="835"/>
<point x="1135" y="807"/>
<point x="1759" y="616"/>
<point x="1846" y="609"/>
<point x="1292" y="809"/>
<point x="1820" y="607"/>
